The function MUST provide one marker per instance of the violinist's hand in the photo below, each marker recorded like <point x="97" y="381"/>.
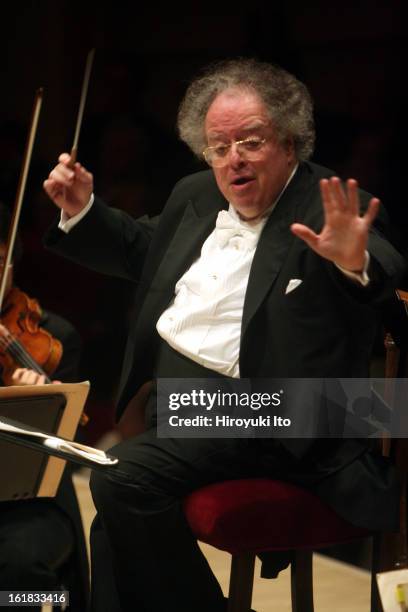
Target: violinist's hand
<point x="24" y="376"/>
<point x="343" y="239"/>
<point x="69" y="188"/>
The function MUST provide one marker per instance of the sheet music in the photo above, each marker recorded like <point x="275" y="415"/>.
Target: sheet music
<point x="81" y="450"/>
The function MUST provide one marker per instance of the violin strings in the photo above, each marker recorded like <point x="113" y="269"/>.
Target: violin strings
<point x="21" y="355"/>
<point x="8" y="343"/>
<point x="25" y="358"/>
<point x="11" y="344"/>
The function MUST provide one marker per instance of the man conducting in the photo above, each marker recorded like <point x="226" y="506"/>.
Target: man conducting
<point x="262" y="266"/>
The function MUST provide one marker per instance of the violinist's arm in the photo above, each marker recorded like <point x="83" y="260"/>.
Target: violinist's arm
<point x="24" y="376"/>
<point x="69" y="188"/>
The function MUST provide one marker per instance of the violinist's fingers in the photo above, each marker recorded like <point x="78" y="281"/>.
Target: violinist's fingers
<point x="24" y="376"/>
<point x="17" y="375"/>
<point x="30" y="377"/>
<point x="57" y="382"/>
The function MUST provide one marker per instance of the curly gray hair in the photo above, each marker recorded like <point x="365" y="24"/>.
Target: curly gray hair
<point x="288" y="102"/>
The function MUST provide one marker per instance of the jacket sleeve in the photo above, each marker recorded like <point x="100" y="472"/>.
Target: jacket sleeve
<point x="106" y="240"/>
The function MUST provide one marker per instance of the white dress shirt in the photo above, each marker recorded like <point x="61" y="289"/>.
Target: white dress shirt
<point x="204" y="320"/>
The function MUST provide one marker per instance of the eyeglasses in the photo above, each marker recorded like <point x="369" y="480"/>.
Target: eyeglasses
<point x="248" y="149"/>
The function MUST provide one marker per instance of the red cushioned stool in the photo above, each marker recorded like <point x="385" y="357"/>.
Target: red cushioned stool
<point x="244" y="517"/>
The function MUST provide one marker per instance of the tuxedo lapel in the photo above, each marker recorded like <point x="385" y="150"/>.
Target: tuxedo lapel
<point x="184" y="247"/>
<point x="274" y="244"/>
<point x="197" y="223"/>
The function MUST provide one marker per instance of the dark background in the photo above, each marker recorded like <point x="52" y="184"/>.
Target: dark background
<point x="352" y="56"/>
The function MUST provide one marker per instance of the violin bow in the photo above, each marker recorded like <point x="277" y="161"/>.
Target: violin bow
<point x="11" y="238"/>
<point x="84" y="93"/>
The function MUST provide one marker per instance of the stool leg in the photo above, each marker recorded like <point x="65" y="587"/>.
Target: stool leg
<point x="302" y="581"/>
<point x="241" y="582"/>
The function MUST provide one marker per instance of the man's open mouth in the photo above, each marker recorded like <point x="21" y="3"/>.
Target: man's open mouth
<point x="242" y="180"/>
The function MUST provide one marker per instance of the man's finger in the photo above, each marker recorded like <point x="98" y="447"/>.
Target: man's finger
<point x="372" y="210"/>
<point x="353" y="197"/>
<point x="63" y="175"/>
<point x="305" y="233"/>
<point x="64" y="158"/>
<point x="337" y="193"/>
<point x="54" y="191"/>
<point x="326" y="196"/>
<point x="83" y="175"/>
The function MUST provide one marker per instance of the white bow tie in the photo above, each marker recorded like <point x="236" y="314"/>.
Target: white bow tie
<point x="227" y="227"/>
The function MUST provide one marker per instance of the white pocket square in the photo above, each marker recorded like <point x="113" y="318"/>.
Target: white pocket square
<point x="292" y="284"/>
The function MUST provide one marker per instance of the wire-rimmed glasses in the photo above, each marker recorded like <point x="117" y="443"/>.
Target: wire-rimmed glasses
<point x="249" y="149"/>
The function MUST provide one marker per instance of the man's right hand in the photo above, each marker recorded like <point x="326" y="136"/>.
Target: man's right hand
<point x="69" y="188"/>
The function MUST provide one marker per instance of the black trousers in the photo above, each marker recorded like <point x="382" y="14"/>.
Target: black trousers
<point x="144" y="556"/>
<point x="36" y="538"/>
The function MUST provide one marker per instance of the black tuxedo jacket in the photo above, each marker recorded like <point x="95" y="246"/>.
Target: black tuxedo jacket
<point x="323" y="328"/>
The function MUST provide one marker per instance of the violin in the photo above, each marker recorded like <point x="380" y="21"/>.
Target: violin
<point x="18" y="308"/>
<point x="23" y="343"/>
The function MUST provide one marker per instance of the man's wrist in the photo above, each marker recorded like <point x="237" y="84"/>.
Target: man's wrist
<point x="66" y="222"/>
<point x="361" y="276"/>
